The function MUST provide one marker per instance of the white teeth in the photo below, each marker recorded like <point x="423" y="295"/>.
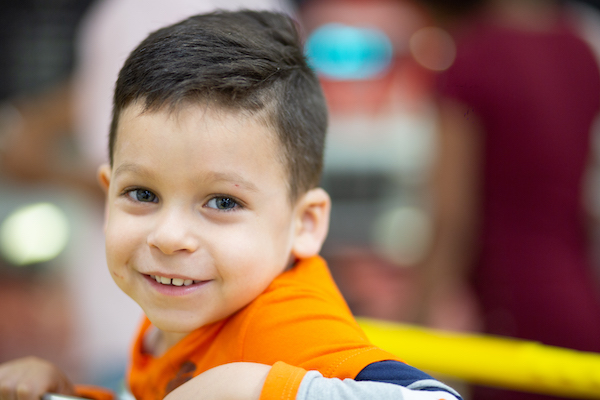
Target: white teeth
<point x="177" y="282"/>
<point x="174" y="281"/>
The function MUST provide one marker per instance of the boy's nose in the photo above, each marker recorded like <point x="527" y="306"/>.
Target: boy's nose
<point x="173" y="233"/>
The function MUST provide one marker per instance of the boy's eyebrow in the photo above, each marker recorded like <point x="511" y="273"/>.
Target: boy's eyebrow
<point x="231" y="177"/>
<point x="212" y="176"/>
<point x="129" y="167"/>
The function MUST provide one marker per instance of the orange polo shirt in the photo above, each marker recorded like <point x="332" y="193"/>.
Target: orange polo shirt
<point x="301" y="319"/>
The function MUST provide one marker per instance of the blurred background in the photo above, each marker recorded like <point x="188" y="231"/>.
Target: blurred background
<point x="461" y="161"/>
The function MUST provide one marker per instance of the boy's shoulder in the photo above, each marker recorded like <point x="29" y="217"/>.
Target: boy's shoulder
<point x="299" y="287"/>
<point x="291" y="300"/>
<point x="308" y="273"/>
<point x="302" y="319"/>
<point x="300" y="290"/>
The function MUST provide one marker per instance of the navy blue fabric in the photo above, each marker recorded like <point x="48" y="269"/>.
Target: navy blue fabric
<point x="392" y="371"/>
<point x="397" y="373"/>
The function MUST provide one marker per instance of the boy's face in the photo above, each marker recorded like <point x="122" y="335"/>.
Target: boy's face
<point x="197" y="199"/>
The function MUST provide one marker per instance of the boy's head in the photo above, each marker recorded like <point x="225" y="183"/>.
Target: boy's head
<point x="248" y="61"/>
<point x="215" y="149"/>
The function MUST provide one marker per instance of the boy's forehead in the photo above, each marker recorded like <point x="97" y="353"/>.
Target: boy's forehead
<point x="184" y="113"/>
<point x="133" y="118"/>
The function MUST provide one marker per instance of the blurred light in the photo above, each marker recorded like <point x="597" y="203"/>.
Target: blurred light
<point x="433" y="48"/>
<point x="34" y="234"/>
<point x="343" y="52"/>
<point x="402" y="235"/>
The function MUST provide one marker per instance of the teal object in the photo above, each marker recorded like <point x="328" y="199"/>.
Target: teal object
<point x="342" y="52"/>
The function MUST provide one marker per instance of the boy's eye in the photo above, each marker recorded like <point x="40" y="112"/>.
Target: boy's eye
<point x="222" y="203"/>
<point x="142" y="195"/>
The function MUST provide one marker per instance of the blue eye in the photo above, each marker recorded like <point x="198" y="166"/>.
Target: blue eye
<point x="222" y="203"/>
<point x="142" y="195"/>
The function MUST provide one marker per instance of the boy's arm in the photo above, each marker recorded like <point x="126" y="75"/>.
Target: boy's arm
<point x="235" y="381"/>
<point x="251" y="381"/>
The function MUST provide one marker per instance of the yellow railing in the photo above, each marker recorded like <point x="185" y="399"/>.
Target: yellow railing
<point x="490" y="360"/>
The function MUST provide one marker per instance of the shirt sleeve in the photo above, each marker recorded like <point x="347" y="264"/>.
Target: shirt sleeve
<point x="378" y="381"/>
<point x="282" y="382"/>
<point x="315" y="387"/>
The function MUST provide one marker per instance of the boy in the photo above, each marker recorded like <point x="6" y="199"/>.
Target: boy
<point x="214" y="221"/>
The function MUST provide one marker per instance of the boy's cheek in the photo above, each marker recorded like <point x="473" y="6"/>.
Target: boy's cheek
<point x="116" y="275"/>
<point x="106" y="216"/>
<point x="116" y="244"/>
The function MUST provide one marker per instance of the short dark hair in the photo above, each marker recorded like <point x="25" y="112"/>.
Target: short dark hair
<point x="248" y="61"/>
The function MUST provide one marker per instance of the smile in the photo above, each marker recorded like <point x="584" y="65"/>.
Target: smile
<point x="173" y="282"/>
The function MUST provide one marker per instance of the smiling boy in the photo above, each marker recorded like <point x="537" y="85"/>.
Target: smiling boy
<point x="214" y="222"/>
<point x="198" y="200"/>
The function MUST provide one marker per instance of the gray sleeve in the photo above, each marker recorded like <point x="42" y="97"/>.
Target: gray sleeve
<point x="315" y="387"/>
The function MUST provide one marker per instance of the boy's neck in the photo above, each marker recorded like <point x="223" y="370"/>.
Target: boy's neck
<point x="157" y="342"/>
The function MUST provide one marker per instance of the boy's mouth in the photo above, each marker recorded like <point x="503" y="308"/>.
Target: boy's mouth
<point x="173" y="282"/>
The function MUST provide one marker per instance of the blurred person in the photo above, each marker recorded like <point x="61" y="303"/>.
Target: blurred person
<point x="79" y="111"/>
<point x="374" y="158"/>
<point x="37" y="311"/>
<point x="516" y="109"/>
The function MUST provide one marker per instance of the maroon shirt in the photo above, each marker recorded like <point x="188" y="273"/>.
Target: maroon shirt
<point x="537" y="95"/>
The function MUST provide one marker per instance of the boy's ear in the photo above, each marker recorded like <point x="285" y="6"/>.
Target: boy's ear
<point x="312" y="223"/>
<point x="104" y="177"/>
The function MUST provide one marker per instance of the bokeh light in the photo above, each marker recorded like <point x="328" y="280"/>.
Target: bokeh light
<point x="402" y="235"/>
<point x="33" y="234"/>
<point x="342" y="52"/>
<point x="433" y="48"/>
